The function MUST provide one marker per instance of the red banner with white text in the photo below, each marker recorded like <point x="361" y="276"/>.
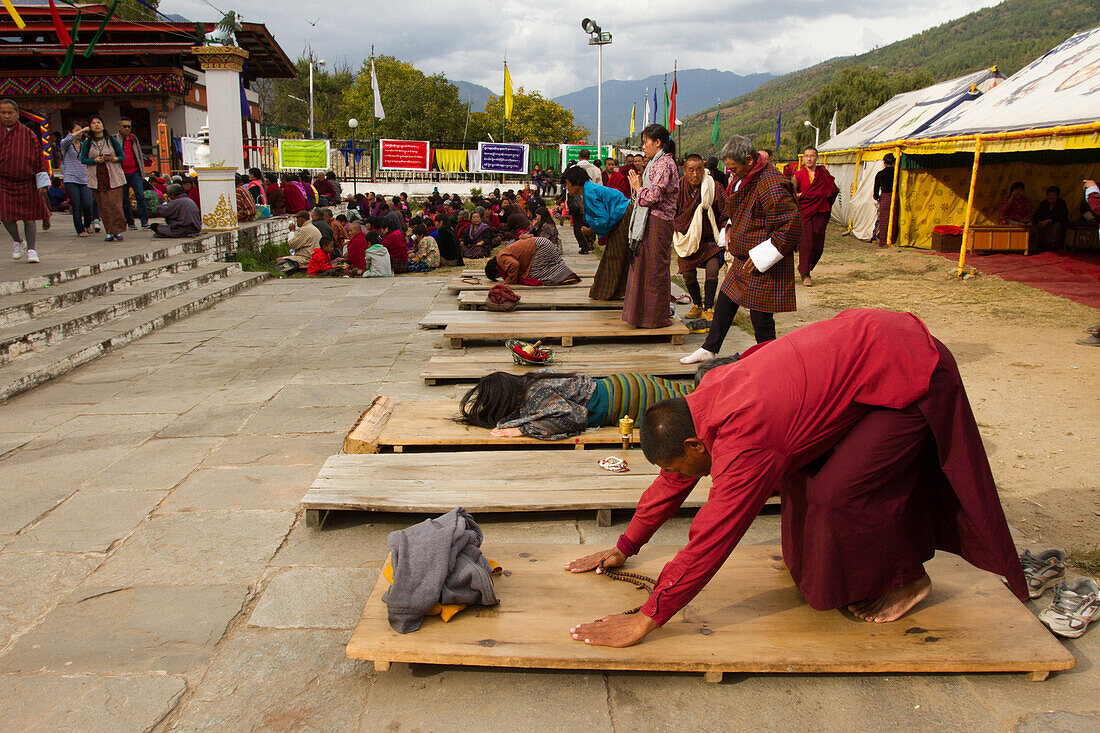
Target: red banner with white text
<point x="405" y="155"/>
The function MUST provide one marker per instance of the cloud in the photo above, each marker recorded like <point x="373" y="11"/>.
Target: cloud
<point x="548" y="51"/>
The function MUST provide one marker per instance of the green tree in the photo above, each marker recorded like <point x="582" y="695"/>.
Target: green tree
<point x="417" y="106"/>
<point x="535" y="119"/>
<point x="283" y="105"/>
<point x="133" y="10"/>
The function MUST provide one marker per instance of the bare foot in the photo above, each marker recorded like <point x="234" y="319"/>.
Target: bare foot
<point x="893" y="604"/>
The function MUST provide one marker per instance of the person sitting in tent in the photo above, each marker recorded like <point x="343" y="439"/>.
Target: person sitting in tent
<point x="1049" y="221"/>
<point x="862" y="424"/>
<point x="530" y="261"/>
<point x="1016" y="207"/>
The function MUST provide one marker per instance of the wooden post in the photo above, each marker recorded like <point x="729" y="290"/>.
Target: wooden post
<point x="603" y="517"/>
<point x="1038" y="675"/>
<point x="969" y="205"/>
<point x="380" y="666"/>
<point x="893" y="200"/>
<point x="712" y="677"/>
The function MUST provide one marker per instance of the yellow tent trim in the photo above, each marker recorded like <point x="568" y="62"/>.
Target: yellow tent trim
<point x="1062" y="137"/>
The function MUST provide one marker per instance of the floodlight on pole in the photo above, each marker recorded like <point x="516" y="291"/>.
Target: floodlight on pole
<point x="318" y="62"/>
<point x="598" y="38"/>
<point x="817" y="132"/>
<point x="353" y="123"/>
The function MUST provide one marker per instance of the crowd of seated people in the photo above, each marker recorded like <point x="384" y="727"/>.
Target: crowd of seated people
<point x="1048" y="221"/>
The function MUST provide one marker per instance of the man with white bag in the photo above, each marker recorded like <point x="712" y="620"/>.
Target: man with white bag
<point x="762" y="237"/>
<point x="700" y="215"/>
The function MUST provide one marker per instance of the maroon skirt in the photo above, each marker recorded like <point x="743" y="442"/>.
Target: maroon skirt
<point x="700" y="257"/>
<point x="649" y="283"/>
<point x="884" y="219"/>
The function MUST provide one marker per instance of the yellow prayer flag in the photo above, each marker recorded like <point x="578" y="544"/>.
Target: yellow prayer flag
<point x="19" y="22"/>
<point x="632" y="110"/>
<point x="507" y="93"/>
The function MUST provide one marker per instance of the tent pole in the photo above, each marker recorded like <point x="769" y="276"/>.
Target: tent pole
<point x="969" y="205"/>
<point x="855" y="186"/>
<point x="893" y="200"/>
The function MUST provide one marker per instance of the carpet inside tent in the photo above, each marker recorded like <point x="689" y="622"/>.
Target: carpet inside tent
<point x="1073" y="275"/>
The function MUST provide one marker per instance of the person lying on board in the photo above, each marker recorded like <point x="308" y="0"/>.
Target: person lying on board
<point x="862" y="424"/>
<point x="551" y="405"/>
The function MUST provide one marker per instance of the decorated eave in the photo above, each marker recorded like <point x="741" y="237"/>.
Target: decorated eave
<point x="135" y="46"/>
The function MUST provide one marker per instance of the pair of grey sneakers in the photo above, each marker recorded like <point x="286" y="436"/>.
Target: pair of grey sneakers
<point x="1075" y="604"/>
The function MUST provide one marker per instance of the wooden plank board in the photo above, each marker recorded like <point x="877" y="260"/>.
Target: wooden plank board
<point x="484" y="284"/>
<point x="484" y="481"/>
<point x="399" y="424"/>
<point x="559" y="298"/>
<point x="583" y="269"/>
<point x="533" y="325"/>
<point x="750" y="619"/>
<point x="472" y="368"/>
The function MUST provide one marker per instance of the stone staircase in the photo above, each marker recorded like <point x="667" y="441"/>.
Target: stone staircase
<point x="56" y="320"/>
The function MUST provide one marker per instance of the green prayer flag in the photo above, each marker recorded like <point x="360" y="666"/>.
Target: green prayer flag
<point x="666" y="103"/>
<point x="715" y="134"/>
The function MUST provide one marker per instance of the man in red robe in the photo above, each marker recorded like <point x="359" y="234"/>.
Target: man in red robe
<point x="816" y="191"/>
<point x="862" y="424"/>
<point x="23" y="181"/>
<point x="616" y="178"/>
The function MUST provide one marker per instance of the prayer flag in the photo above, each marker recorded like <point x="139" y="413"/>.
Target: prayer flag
<point x="672" y="121"/>
<point x="778" y="125"/>
<point x="664" y="109"/>
<point x="378" y="111"/>
<point x="59" y="27"/>
<point x="507" y="93"/>
<point x="654" y="120"/>
<point x="715" y="134"/>
<point x="645" y="110"/>
<point x="632" y="110"/>
<point x="19" y="22"/>
<point x="832" y="124"/>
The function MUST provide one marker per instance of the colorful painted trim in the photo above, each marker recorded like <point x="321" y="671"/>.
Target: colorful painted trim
<point x="101" y="84"/>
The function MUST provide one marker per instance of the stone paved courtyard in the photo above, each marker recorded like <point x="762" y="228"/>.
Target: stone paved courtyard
<point x="155" y="573"/>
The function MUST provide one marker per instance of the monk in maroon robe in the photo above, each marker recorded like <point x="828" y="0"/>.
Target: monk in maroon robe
<point x="861" y="423"/>
<point x="816" y="191"/>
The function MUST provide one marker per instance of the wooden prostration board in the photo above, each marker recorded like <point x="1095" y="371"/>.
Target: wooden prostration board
<point x="750" y="618"/>
<point x="544" y="325"/>
<point x="556" y="299"/>
<point x="429" y="423"/>
<point x="582" y="269"/>
<point x="484" y="481"/>
<point x="484" y="284"/>
<point x="471" y="368"/>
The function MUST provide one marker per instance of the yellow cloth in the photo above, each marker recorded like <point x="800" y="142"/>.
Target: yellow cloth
<point x="451" y="161"/>
<point x="444" y="611"/>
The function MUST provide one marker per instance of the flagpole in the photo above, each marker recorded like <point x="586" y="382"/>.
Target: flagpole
<point x="503" y="112"/>
<point x="372" y="111"/>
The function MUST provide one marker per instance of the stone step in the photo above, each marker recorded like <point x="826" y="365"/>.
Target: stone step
<point x="49" y="278"/>
<point x="44" y="332"/>
<point x="30" y="304"/>
<point x="33" y="369"/>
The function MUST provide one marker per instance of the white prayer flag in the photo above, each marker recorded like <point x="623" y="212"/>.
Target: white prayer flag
<point x="378" y="111"/>
<point x="832" y="124"/>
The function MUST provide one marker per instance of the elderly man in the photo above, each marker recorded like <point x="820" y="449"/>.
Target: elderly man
<point x="700" y="215"/>
<point x="763" y="234"/>
<point x="815" y="190"/>
<point x="181" y="216"/>
<point x="861" y="422"/>
<point x="23" y="181"/>
<point x="305" y="238"/>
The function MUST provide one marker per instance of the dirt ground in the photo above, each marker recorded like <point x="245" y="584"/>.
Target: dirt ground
<point x="1033" y="389"/>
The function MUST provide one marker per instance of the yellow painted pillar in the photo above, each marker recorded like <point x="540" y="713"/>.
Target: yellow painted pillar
<point x="895" y="194"/>
<point x="969" y="205"/>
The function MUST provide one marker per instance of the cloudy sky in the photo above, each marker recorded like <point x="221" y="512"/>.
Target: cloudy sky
<point x="547" y="50"/>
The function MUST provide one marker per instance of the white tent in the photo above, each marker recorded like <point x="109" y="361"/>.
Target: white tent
<point x="903" y="116"/>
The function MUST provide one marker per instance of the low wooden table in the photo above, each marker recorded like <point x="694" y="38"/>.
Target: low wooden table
<point x="471" y="368"/>
<point x="750" y="619"/>
<point x="536" y="325"/>
<point x="1000" y="239"/>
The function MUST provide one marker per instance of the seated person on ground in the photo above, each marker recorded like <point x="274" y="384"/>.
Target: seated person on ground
<point x="304" y="238"/>
<point x="180" y="214"/>
<point x="478" y="237"/>
<point x="246" y="205"/>
<point x="293" y="195"/>
<point x="393" y="240"/>
<point x="356" y="252"/>
<point x="530" y="261"/>
<point x="339" y="234"/>
<point x="550" y="405"/>
<point x="58" y="199"/>
<point x="848" y="420"/>
<point x="378" y="257"/>
<point x="450" y="250"/>
<point x="1049" y="220"/>
<point x="426" y="257"/>
<point x="321" y="262"/>
<point x="1016" y="208"/>
<point x="274" y="194"/>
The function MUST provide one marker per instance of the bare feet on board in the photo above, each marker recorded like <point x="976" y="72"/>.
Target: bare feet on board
<point x="893" y="604"/>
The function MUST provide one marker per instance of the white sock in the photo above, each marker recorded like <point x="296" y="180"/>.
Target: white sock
<point x="698" y="356"/>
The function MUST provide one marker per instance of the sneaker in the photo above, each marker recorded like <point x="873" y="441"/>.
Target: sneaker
<point x="1074" y="607"/>
<point x="32" y="256"/>
<point x="145" y="225"/>
<point x="109" y="238"/>
<point x="1043" y="570"/>
<point x="1090" y="340"/>
<point x="708" y="314"/>
<point x="17" y="250"/>
<point x="697" y="325"/>
<point x="695" y="312"/>
<point x="132" y="227"/>
<point x="697" y="357"/>
<point x="118" y="237"/>
<point x="97" y="225"/>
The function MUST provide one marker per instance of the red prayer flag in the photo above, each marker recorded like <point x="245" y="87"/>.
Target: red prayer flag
<point x="62" y="32"/>
<point x="672" y="105"/>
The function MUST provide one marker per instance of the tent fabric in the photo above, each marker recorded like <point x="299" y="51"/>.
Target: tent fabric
<point x="451" y="161"/>
<point x="907" y="114"/>
<point x="1060" y="88"/>
<point x="857" y="210"/>
<point x="932" y="196"/>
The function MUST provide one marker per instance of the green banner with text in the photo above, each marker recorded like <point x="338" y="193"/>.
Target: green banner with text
<point x="308" y="154"/>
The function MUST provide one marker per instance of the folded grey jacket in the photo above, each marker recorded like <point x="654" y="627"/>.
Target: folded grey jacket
<point x="436" y="561"/>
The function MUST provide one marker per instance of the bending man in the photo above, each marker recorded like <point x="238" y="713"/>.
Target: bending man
<point x="862" y="424"/>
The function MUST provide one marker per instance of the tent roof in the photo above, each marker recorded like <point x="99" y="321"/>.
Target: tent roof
<point x="906" y="113"/>
<point x="1060" y="88"/>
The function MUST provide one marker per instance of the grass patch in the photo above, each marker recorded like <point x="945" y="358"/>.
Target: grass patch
<point x="263" y="259"/>
<point x="1086" y="561"/>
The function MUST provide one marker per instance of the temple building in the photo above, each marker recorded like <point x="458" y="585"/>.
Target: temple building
<point x="141" y="69"/>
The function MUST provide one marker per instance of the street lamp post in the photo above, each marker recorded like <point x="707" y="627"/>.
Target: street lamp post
<point x="353" y="123"/>
<point x="320" y="62"/>
<point x="597" y="37"/>
<point x="817" y="133"/>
